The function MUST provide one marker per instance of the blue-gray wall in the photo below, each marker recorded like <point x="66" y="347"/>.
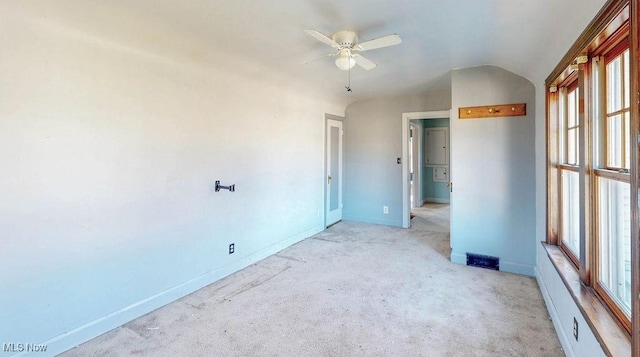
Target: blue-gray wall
<point x="433" y="191"/>
<point x="493" y="171"/>
<point x="373" y="142"/>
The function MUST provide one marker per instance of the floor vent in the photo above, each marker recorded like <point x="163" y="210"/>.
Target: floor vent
<point x="483" y="261"/>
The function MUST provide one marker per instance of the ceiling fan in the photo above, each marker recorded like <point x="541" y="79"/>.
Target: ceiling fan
<point x="347" y="47"/>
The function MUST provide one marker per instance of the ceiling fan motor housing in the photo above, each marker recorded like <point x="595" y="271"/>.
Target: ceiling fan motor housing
<point x="346" y="39"/>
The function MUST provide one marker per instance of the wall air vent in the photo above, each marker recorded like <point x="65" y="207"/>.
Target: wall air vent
<point x="483" y="261"/>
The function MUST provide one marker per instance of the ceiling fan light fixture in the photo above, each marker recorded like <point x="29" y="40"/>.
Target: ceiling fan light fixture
<point x="345" y="62"/>
<point x="347" y="41"/>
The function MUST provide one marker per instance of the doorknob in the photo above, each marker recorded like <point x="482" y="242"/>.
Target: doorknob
<point x="329" y="179"/>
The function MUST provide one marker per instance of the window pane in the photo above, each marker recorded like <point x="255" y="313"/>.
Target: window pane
<point x="615" y="240"/>
<point x="572" y="146"/>
<point x="618" y="97"/>
<point x="614" y="141"/>
<point x="627" y="83"/>
<point x="572" y="128"/>
<point x="627" y="147"/>
<point x="614" y="85"/>
<point x="572" y="112"/>
<point x="570" y="212"/>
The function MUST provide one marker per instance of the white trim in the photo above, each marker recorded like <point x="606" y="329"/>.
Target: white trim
<point x="555" y="319"/>
<point x="417" y="175"/>
<point x="406" y="119"/>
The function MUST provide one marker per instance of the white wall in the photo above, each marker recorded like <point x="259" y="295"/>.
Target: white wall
<point x="493" y="170"/>
<point x="110" y="145"/>
<point x="563" y="310"/>
<point x="373" y="142"/>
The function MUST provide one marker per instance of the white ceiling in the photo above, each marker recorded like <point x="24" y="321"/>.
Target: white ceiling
<point x="527" y="37"/>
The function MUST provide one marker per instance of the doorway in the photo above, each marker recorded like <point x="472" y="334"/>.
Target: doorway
<point x="406" y="160"/>
<point x="334" y="169"/>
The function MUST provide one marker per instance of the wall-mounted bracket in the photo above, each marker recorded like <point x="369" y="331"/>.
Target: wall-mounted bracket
<point x="582" y="59"/>
<point x="219" y="187"/>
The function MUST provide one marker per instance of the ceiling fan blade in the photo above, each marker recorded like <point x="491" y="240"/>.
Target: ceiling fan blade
<point x="322" y="38"/>
<point x="364" y="62"/>
<point x="319" y="58"/>
<point x="385" y="41"/>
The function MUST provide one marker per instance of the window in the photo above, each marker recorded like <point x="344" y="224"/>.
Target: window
<point x="568" y="170"/>
<point x="617" y="116"/>
<point x="612" y="186"/>
<point x="589" y="122"/>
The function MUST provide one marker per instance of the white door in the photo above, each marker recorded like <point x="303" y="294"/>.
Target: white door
<point x="334" y="172"/>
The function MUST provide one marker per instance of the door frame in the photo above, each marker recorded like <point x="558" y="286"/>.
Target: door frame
<point x="417" y="170"/>
<point x="406" y="121"/>
<point x="328" y="117"/>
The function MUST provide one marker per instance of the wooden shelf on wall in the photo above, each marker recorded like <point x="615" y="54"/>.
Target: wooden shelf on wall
<point x="493" y="111"/>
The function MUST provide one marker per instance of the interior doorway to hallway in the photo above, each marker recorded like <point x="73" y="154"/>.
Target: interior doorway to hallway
<point x="425" y="170"/>
<point x="432" y="217"/>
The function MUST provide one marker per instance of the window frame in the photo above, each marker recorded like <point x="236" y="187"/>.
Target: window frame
<point x="613" y="51"/>
<point x="575" y="259"/>
<point x="567" y="86"/>
<point x="601" y="290"/>
<point x="613" y="47"/>
<point x="565" y="90"/>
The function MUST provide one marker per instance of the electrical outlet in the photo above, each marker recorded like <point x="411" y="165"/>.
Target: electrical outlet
<point x="575" y="328"/>
<point x="385" y="209"/>
<point x="232" y="248"/>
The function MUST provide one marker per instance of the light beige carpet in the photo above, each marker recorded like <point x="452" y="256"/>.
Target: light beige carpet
<point x="353" y="290"/>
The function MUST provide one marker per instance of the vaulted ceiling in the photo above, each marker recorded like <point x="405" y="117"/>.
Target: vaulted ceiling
<point x="523" y="36"/>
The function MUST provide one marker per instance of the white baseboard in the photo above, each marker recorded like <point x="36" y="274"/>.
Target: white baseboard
<point x="459" y="258"/>
<point x="517" y="268"/>
<point x="562" y="336"/>
<point x="84" y="333"/>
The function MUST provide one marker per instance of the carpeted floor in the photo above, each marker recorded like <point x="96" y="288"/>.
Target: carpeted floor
<point x="353" y="290"/>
